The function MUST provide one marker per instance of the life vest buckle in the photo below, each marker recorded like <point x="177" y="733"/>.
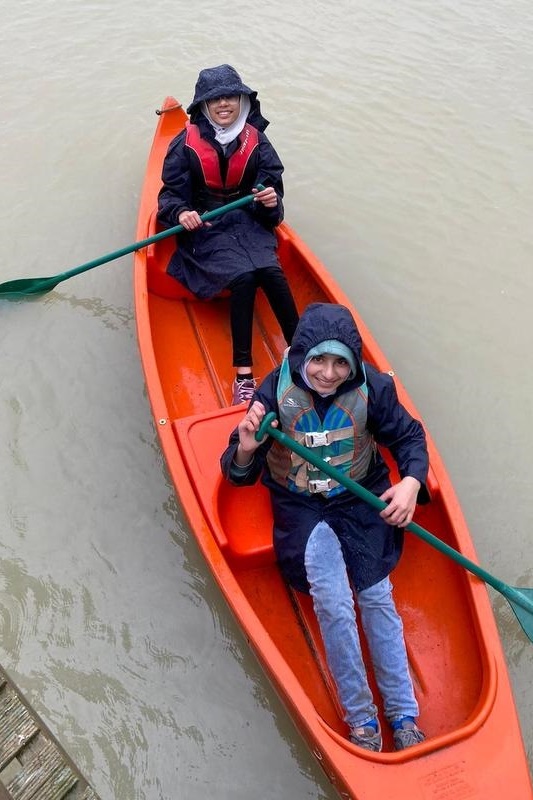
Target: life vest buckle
<point x="317" y="439"/>
<point x="319" y="485"/>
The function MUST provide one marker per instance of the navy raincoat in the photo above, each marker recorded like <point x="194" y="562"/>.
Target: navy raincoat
<point x="239" y="241"/>
<point x="371" y="547"/>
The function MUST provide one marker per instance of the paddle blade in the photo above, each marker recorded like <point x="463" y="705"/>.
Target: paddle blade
<point x="26" y="286"/>
<point x="522" y="606"/>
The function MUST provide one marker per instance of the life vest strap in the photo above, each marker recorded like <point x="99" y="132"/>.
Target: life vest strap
<point x="333" y="461"/>
<point x="324" y="438"/>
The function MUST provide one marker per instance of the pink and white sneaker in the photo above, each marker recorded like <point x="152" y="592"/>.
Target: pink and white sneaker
<point x="243" y="390"/>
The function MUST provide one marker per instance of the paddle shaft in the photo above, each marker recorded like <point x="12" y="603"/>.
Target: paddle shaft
<point x="509" y="592"/>
<point x="243" y="201"/>
<point x="25" y="286"/>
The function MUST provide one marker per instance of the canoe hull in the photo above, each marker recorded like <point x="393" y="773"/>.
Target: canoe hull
<point x="455" y="653"/>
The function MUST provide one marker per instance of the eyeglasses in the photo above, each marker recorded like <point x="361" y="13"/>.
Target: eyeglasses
<point x="229" y="98"/>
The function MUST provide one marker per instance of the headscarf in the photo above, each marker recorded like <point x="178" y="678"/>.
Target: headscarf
<point x="226" y="135"/>
<point x="331" y="347"/>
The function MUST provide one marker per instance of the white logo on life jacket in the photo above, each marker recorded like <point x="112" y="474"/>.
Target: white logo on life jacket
<point x="245" y="140"/>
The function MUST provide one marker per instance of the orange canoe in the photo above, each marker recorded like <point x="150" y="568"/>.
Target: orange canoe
<point x="474" y="749"/>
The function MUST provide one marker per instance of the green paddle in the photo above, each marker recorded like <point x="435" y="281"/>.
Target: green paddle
<point x="25" y="286"/>
<point x="520" y="600"/>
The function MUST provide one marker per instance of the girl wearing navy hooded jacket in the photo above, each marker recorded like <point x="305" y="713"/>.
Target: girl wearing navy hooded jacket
<point x="329" y="542"/>
<point x="222" y="155"/>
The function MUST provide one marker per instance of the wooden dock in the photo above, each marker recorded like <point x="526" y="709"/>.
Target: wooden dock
<point x="33" y="765"/>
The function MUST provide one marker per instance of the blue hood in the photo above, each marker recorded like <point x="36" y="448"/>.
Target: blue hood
<point x="224" y="80"/>
<point x="321" y="321"/>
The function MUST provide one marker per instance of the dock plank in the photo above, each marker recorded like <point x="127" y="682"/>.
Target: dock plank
<point x="33" y="764"/>
<point x="45" y="776"/>
<point x="17" y="726"/>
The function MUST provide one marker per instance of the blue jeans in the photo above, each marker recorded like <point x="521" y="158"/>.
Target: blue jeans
<point x="335" y="610"/>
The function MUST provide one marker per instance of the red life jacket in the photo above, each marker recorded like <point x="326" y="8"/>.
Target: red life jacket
<point x="208" y="157"/>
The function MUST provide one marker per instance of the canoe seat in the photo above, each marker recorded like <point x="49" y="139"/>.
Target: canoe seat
<point x="158" y="256"/>
<point x="240" y="518"/>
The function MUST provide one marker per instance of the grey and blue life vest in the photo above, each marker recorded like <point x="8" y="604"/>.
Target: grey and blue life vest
<point x="341" y="438"/>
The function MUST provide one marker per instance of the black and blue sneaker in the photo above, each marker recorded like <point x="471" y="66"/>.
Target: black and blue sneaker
<point x="368" y="736"/>
<point x="406" y="733"/>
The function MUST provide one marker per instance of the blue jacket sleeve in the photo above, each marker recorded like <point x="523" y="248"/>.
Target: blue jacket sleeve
<point x="394" y="428"/>
<point x="175" y="195"/>
<point x="269" y="173"/>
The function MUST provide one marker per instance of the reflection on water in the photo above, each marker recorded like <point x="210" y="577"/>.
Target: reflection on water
<point x="405" y="132"/>
<point x="113" y="316"/>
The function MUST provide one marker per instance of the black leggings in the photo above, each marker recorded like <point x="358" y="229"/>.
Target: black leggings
<point x="243" y="290"/>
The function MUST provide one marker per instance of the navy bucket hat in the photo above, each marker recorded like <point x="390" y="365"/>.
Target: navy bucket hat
<point x="219" y="81"/>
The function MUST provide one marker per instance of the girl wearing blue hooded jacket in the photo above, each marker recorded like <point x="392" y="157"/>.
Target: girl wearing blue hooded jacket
<point x="222" y="155"/>
<point x="328" y="542"/>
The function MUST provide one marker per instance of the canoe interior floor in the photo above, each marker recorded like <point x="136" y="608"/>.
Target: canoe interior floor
<point x="448" y="683"/>
<point x="201" y="331"/>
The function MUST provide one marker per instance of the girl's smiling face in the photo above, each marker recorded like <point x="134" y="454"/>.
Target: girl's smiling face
<point x="224" y="110"/>
<point x="327" y="372"/>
